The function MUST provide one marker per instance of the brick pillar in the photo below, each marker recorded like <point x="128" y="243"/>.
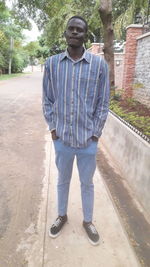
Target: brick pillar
<point x="97" y="48"/>
<point x="133" y="31"/>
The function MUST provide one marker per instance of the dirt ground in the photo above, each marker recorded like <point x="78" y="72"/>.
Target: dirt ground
<point x="21" y="162"/>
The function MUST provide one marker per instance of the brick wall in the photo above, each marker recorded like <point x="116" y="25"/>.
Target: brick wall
<point x="133" y="31"/>
<point x="97" y="48"/>
<point x="141" y="84"/>
<point x="132" y="67"/>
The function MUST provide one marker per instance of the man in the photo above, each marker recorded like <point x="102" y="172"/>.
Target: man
<point x="75" y="106"/>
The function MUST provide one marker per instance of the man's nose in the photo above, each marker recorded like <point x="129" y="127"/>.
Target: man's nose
<point x="74" y="31"/>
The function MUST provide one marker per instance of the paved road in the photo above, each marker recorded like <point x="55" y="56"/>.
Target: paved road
<point x="21" y="162"/>
<point x="27" y="193"/>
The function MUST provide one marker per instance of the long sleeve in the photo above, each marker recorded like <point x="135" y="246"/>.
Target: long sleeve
<point x="48" y="98"/>
<point x="102" y="106"/>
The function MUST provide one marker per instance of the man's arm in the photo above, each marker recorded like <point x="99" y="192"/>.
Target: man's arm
<point x="102" y="106"/>
<point x="48" y="101"/>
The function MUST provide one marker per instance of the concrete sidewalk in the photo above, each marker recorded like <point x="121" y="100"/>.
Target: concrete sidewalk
<point x="72" y="248"/>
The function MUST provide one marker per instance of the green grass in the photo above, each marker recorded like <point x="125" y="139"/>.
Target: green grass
<point x="9" y="76"/>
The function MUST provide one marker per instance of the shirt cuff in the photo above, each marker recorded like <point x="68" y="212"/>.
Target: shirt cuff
<point x="52" y="129"/>
<point x="52" y="126"/>
<point x="96" y="135"/>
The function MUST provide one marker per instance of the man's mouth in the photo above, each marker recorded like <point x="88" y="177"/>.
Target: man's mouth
<point x="73" y="38"/>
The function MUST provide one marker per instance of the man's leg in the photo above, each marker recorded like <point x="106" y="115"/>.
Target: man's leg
<point x="86" y="162"/>
<point x="64" y="162"/>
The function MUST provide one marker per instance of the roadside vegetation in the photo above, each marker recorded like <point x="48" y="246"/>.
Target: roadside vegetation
<point x="13" y="75"/>
<point x="135" y="113"/>
<point x="15" y="54"/>
<point x="51" y="17"/>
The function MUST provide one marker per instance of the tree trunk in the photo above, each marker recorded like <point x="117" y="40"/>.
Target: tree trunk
<point x="105" y="11"/>
<point x="10" y="55"/>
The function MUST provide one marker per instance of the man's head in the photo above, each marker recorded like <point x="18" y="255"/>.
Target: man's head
<point x="76" y="31"/>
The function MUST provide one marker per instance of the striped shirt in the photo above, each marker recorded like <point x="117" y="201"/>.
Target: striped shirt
<point x="76" y="97"/>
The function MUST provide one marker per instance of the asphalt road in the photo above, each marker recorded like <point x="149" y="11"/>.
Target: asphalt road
<point x="21" y="162"/>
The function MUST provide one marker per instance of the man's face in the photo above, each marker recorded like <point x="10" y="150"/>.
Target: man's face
<point x="75" y="33"/>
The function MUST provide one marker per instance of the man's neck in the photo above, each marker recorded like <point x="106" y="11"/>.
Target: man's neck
<point x="75" y="52"/>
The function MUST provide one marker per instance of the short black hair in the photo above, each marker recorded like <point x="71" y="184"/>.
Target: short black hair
<point x="81" y="18"/>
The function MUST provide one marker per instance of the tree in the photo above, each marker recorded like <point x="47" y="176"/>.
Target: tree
<point x="126" y="12"/>
<point x="3" y="51"/>
<point x="52" y="17"/>
<point x="105" y="11"/>
<point x="11" y="59"/>
<point x="31" y="51"/>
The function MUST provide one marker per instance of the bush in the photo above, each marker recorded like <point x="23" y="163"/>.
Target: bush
<point x="19" y="62"/>
<point x="131" y="111"/>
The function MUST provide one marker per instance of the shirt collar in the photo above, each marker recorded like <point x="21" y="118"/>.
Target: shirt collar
<point x="85" y="56"/>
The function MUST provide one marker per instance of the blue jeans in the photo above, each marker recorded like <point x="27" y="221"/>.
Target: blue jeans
<point x="86" y="163"/>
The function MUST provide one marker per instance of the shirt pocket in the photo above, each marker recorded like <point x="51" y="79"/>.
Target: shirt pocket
<point x="89" y="85"/>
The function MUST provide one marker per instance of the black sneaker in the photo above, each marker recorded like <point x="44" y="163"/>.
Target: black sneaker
<point x="92" y="233"/>
<point x="56" y="227"/>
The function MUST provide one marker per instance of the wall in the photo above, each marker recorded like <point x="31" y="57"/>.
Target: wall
<point x="142" y="70"/>
<point x="132" y="67"/>
<point x="119" y="66"/>
<point x="132" y="155"/>
<point x="97" y="49"/>
<point x="132" y="32"/>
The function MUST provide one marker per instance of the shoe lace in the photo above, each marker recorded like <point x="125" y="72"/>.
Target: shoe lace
<point x="57" y="222"/>
<point x="92" y="228"/>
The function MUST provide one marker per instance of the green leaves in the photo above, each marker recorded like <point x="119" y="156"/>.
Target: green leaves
<point x="130" y="111"/>
<point x="125" y="11"/>
<point x="10" y="41"/>
<point x="53" y="15"/>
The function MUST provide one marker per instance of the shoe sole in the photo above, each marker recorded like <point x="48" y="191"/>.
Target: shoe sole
<point x="94" y="243"/>
<point x="53" y="236"/>
<point x="90" y="241"/>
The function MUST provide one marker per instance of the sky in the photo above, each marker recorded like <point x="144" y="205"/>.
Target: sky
<point x="33" y="34"/>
